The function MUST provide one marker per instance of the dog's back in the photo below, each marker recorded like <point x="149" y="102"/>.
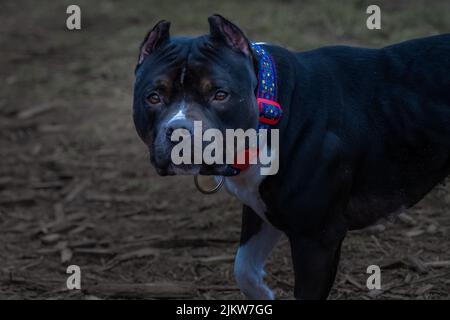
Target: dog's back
<point x="391" y="109"/>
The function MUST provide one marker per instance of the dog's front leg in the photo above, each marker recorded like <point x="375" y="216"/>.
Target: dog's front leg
<point x="315" y="261"/>
<point x="258" y="238"/>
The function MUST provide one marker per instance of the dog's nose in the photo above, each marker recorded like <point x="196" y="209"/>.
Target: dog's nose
<point x="180" y="124"/>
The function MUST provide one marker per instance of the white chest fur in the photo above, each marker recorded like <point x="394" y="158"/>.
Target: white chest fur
<point x="245" y="186"/>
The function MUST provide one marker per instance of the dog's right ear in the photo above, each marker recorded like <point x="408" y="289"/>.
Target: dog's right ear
<point x="155" y="37"/>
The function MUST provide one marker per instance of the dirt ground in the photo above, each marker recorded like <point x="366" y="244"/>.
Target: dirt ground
<point x="76" y="186"/>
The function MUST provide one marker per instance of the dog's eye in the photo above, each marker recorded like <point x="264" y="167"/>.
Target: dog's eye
<point x="220" y="95"/>
<point x="153" y="98"/>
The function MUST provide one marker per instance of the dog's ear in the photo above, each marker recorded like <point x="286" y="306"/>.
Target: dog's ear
<point x="223" y="30"/>
<point x="155" y="37"/>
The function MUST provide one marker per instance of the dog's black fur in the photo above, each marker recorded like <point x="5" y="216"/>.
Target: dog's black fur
<point x="364" y="133"/>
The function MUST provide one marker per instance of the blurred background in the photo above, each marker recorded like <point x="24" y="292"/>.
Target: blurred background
<point x="76" y="186"/>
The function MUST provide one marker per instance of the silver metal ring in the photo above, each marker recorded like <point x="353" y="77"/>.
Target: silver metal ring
<point x="210" y="191"/>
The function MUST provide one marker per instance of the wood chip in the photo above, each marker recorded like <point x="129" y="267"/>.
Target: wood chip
<point x="51" y="128"/>
<point x="424" y="289"/>
<point x="50" y="238"/>
<point x="414" y="233"/>
<point x="47" y="185"/>
<point x="353" y="281"/>
<point x="218" y="288"/>
<point x="416" y="263"/>
<point x="34" y="111"/>
<point x="141" y="253"/>
<point x="58" y="209"/>
<point x="220" y="258"/>
<point x="91" y="297"/>
<point x="438" y="264"/>
<point x="94" y="251"/>
<point x="408" y="278"/>
<point x="15" y="199"/>
<point x="66" y="255"/>
<point x="378" y="244"/>
<point x="434" y="276"/>
<point x="378" y="228"/>
<point x="116" y="198"/>
<point x="407" y="219"/>
<point x="432" y="228"/>
<point x="86" y="243"/>
<point x="76" y="190"/>
<point x="160" y="206"/>
<point x="157" y="290"/>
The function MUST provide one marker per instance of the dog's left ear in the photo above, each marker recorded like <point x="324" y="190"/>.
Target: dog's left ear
<point x="223" y="30"/>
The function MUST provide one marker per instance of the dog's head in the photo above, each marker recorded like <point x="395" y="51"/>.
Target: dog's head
<point x="210" y="79"/>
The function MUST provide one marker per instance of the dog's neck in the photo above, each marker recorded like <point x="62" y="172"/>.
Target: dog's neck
<point x="246" y="185"/>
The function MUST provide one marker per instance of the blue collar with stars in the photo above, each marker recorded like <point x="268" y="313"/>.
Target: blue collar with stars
<point x="266" y="94"/>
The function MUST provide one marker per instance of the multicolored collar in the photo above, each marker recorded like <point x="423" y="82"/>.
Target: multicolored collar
<point x="267" y="92"/>
<point x="270" y="111"/>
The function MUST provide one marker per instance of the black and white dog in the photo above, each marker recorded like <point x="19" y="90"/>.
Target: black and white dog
<point x="363" y="134"/>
